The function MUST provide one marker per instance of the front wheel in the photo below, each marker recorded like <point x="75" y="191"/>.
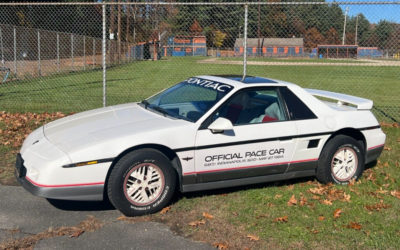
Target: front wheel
<point x="341" y="160"/>
<point x="142" y="182"/>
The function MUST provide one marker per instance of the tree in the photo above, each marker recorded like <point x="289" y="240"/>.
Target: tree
<point x="313" y="37"/>
<point x="219" y="38"/>
<point x="332" y="37"/>
<point x="195" y="29"/>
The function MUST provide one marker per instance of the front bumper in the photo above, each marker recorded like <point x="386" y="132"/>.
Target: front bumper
<point x="79" y="192"/>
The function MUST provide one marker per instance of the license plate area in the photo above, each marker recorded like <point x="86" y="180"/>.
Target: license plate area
<point x="19" y="166"/>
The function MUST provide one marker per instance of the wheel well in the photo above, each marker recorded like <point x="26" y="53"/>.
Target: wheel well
<point x="172" y="156"/>
<point x="351" y="132"/>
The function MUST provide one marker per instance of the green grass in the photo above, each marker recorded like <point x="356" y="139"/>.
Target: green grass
<point x="291" y="60"/>
<point x="136" y="81"/>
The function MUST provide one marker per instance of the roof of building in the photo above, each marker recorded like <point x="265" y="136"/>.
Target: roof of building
<point x="247" y="79"/>
<point x="267" y="42"/>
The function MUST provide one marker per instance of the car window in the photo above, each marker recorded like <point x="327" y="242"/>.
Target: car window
<point x="188" y="93"/>
<point x="253" y="106"/>
<point x="297" y="109"/>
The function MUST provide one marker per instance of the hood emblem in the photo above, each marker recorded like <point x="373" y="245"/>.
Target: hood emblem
<point x="187" y="158"/>
<point x="35" y="142"/>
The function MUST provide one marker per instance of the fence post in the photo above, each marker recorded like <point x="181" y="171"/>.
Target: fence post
<point x="39" y="64"/>
<point x="104" y="56"/>
<point x="94" y="53"/>
<point x="72" y="52"/>
<point x="58" y="53"/>
<point x="245" y="42"/>
<point x="84" y="53"/>
<point x="15" y="52"/>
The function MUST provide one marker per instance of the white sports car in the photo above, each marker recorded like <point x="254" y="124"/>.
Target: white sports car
<point x="206" y="132"/>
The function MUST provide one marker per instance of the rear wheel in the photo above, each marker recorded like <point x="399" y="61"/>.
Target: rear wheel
<point x="341" y="160"/>
<point x="142" y="182"/>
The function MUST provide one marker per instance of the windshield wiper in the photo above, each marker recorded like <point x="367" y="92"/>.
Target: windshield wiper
<point x="161" y="110"/>
<point x="145" y="103"/>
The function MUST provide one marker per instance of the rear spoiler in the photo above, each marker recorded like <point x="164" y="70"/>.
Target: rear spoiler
<point x="361" y="103"/>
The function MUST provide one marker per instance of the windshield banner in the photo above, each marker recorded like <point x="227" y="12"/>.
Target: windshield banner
<point x="209" y="84"/>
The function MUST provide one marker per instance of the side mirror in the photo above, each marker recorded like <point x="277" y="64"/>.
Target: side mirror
<point x="220" y="125"/>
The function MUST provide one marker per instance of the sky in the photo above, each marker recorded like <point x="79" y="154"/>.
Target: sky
<point x="374" y="12"/>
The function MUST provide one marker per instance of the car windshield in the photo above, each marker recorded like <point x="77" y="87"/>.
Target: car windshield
<point x="188" y="100"/>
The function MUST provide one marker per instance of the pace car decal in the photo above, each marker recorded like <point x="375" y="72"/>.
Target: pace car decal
<point x="249" y="156"/>
<point x="221" y="87"/>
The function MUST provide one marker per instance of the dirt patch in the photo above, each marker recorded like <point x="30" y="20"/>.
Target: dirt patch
<point x="89" y="225"/>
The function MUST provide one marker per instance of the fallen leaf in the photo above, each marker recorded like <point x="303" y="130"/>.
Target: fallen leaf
<point x="292" y="201"/>
<point x="208" y="216"/>
<point x="235" y="214"/>
<point x="327" y="202"/>
<point x="316" y="197"/>
<point x="77" y="233"/>
<point x="121" y="218"/>
<point x="395" y="193"/>
<point x="282" y="219"/>
<point x="337" y="213"/>
<point x="346" y="197"/>
<point x="398" y="140"/>
<point x="387" y="148"/>
<point x="386" y="185"/>
<point x="278" y="196"/>
<point x="381" y="191"/>
<point x="303" y="201"/>
<point x="269" y="204"/>
<point x="352" y="182"/>
<point x="253" y="237"/>
<point x="221" y="246"/>
<point x="197" y="223"/>
<point x="290" y="187"/>
<point x="165" y="210"/>
<point x="261" y="216"/>
<point x="377" y="206"/>
<point x="314" y="231"/>
<point x="354" y="225"/>
<point x="321" y="218"/>
<point x="317" y="191"/>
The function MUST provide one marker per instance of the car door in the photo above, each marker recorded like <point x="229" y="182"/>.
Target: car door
<point x="262" y="141"/>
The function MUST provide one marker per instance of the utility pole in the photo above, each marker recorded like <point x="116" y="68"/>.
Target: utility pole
<point x="119" y="31"/>
<point x="356" y="29"/>
<point x="344" y="28"/>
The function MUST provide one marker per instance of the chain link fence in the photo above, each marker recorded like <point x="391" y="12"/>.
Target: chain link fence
<point x="52" y="57"/>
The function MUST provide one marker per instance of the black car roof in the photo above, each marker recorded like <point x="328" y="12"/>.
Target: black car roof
<point x="247" y="79"/>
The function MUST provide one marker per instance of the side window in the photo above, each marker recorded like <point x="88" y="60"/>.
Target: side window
<point x="297" y="109"/>
<point x="259" y="105"/>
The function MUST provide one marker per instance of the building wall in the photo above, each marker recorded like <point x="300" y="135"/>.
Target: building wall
<point x="271" y="51"/>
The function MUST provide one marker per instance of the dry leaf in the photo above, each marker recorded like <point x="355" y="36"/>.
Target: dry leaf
<point x="354" y="225"/>
<point x="269" y="204"/>
<point x="314" y="231"/>
<point x="327" y="202"/>
<point x="77" y="233"/>
<point x="208" y="216"/>
<point x="278" y="196"/>
<point x="165" y="210"/>
<point x="386" y="185"/>
<point x="377" y="206"/>
<point x="303" y="201"/>
<point x="352" y="182"/>
<point x="321" y="218"/>
<point x="221" y="246"/>
<point x="235" y="214"/>
<point x="381" y="191"/>
<point x="290" y="187"/>
<point x="337" y="213"/>
<point x="282" y="219"/>
<point x="395" y="193"/>
<point x="261" y="216"/>
<point x="197" y="223"/>
<point x="346" y="197"/>
<point x="292" y="201"/>
<point x="316" y="197"/>
<point x="121" y="218"/>
<point x="387" y="148"/>
<point x="253" y="237"/>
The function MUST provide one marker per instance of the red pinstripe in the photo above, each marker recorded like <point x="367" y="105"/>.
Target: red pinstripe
<point x="64" y="185"/>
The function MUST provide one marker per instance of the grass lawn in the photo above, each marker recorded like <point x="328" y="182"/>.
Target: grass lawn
<point x="136" y="81"/>
<point x="369" y="217"/>
<point x="311" y="60"/>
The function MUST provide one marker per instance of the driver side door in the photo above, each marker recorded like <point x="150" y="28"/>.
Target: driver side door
<point x="262" y="141"/>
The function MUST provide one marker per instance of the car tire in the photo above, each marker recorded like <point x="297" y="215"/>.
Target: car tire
<point x="142" y="182"/>
<point x="341" y="160"/>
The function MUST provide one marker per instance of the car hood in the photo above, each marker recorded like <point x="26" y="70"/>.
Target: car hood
<point x="102" y="124"/>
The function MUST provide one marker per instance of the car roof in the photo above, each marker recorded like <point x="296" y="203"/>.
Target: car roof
<point x="236" y="80"/>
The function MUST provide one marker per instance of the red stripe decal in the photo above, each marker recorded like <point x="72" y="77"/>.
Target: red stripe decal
<point x="263" y="165"/>
<point x="381" y="145"/>
<point x="64" y="185"/>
